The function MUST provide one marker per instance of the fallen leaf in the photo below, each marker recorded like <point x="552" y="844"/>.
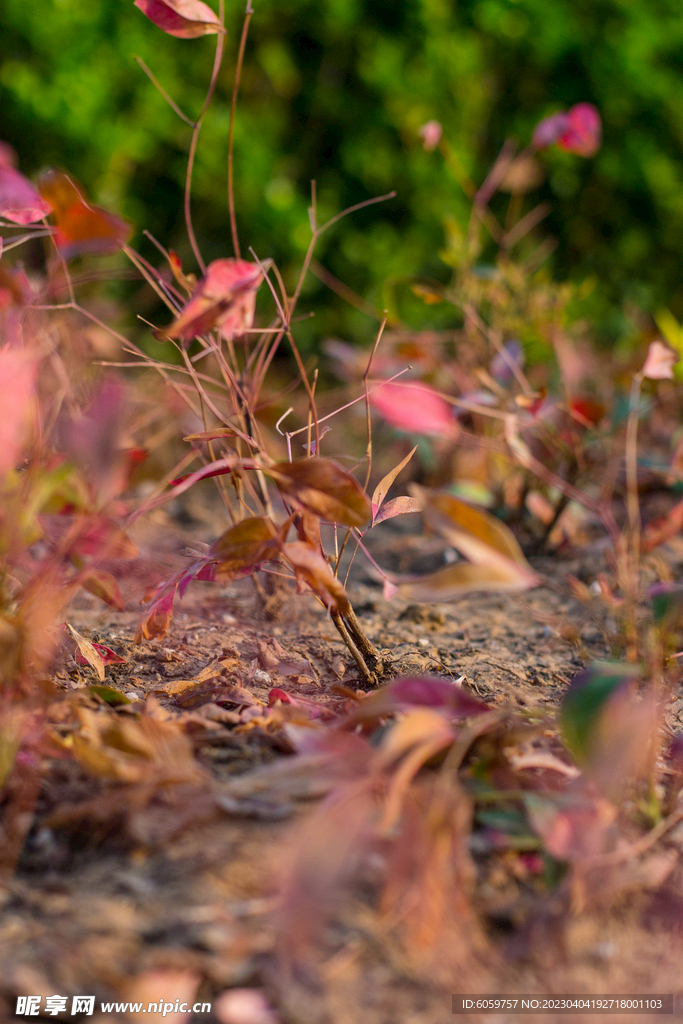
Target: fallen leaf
<point x="312" y="570"/>
<point x="90" y="654"/>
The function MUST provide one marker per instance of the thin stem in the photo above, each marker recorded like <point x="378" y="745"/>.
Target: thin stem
<point x="159" y="87"/>
<point x="231" y="132"/>
<point x="220" y="44"/>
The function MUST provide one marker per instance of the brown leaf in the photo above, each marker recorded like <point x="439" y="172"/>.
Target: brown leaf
<point x="312" y="570"/>
<point x="453" y="581"/>
<point x="321" y="486"/>
<point x="385" y="483"/>
<point x="396" y="507"/>
<point x="244" y="546"/>
<point x="89" y="652"/>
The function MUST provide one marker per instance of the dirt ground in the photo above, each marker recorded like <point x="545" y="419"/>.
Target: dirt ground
<point x="112" y="884"/>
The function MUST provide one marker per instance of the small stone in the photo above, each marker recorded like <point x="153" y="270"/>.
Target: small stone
<point x="262" y="677"/>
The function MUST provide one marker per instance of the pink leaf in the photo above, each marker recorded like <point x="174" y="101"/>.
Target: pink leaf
<point x="583" y="133"/>
<point x="185" y="19"/>
<point x="396" y="507"/>
<point x="415" y="408"/>
<point x="224" y="299"/>
<point x="20" y="202"/>
<point x="550" y="129"/>
<point x="660" y="362"/>
<point x="108" y="656"/>
<point x="17" y="378"/>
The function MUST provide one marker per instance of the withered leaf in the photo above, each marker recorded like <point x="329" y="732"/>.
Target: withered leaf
<point x="321" y="486"/>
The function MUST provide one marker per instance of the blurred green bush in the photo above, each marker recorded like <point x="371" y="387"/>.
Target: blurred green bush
<point x="336" y="90"/>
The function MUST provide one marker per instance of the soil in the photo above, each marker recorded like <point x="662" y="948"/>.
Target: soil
<point x="115" y="880"/>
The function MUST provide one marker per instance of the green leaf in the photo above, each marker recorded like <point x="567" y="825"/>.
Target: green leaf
<point x="586" y="699"/>
<point x="109" y="695"/>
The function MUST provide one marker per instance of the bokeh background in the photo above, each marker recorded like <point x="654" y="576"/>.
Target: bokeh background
<point x="336" y="90"/>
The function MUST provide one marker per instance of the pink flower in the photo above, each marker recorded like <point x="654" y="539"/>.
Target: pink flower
<point x="578" y="130"/>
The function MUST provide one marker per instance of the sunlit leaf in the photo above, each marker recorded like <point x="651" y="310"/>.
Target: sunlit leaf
<point x="185" y="19"/>
<point x="415" y="408"/>
<point x="450" y="699"/>
<point x="454" y="581"/>
<point x="380" y="492"/>
<point x="396" y="507"/>
<point x="312" y="570"/>
<point x="81" y="227"/>
<point x="224" y="299"/>
<point x="321" y="486"/>
<point x="158" y="617"/>
<point x="89" y="652"/>
<point x="496" y="559"/>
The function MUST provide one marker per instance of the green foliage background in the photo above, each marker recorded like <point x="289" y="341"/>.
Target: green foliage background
<point x="336" y="90"/>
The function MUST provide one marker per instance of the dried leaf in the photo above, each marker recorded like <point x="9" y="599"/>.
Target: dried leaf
<point x="108" y="656"/>
<point x="103" y="585"/>
<point x="224" y="299"/>
<point x="385" y="483"/>
<point x="313" y="571"/>
<point x="244" y="547"/>
<point x="454" y="581"/>
<point x="450" y="699"/>
<point x="415" y="408"/>
<point x="321" y="486"/>
<point x="81" y="227"/>
<point x="185" y="19"/>
<point x="90" y="654"/>
<point x="396" y="507"/>
<point x="497" y="561"/>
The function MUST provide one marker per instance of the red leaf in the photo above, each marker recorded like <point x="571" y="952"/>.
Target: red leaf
<point x="583" y="133"/>
<point x="20" y="202"/>
<point x="225" y="298"/>
<point x="313" y="571"/>
<point x="81" y="227"/>
<point x="185" y="19"/>
<point x="415" y="408"/>
<point x="108" y="656"/>
<point x="103" y="585"/>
